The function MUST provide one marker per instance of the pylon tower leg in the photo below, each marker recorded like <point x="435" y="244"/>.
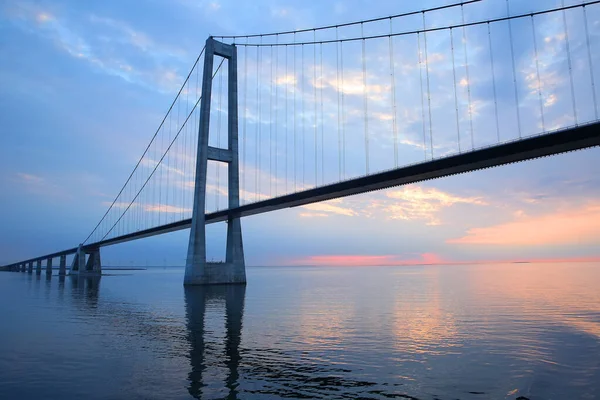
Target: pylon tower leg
<point x="198" y="271"/>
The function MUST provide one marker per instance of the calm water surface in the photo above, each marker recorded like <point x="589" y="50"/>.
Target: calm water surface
<point x="443" y="332"/>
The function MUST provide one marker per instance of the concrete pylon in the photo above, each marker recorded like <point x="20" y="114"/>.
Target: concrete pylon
<point x="93" y="265"/>
<point x="198" y="271"/>
<point x="63" y="265"/>
<point x="78" y="263"/>
<point x="23" y="267"/>
<point x="49" y="266"/>
<point x="38" y="267"/>
<point x="30" y="267"/>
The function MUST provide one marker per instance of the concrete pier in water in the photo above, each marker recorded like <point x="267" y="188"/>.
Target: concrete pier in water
<point x="82" y="267"/>
<point x="62" y="271"/>
<point x="198" y="271"/>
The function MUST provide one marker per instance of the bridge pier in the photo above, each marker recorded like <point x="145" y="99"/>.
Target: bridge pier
<point x="80" y="267"/>
<point x="49" y="266"/>
<point x="62" y="271"/>
<point x="30" y="267"/>
<point x="22" y="267"/>
<point x="78" y="262"/>
<point x="38" y="267"/>
<point x="197" y="270"/>
<point x="93" y="265"/>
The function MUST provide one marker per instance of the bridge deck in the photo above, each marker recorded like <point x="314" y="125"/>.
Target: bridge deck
<point x="576" y="138"/>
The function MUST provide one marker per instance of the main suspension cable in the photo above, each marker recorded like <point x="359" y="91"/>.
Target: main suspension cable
<point x="428" y="30"/>
<point x="157" y="164"/>
<point x="149" y="144"/>
<point x="406" y="14"/>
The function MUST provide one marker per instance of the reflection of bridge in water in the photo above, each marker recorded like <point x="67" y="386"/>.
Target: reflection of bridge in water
<point x="209" y="334"/>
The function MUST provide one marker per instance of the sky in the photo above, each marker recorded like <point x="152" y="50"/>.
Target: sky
<point x="86" y="84"/>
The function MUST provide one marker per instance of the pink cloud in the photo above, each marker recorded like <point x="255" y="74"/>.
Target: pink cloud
<point x="414" y="202"/>
<point x="575" y="226"/>
<point x="331" y="208"/>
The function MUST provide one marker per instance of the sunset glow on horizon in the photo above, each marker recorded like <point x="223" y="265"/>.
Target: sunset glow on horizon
<point x="422" y="259"/>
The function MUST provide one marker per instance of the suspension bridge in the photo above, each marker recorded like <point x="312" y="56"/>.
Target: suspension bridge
<point x="275" y="120"/>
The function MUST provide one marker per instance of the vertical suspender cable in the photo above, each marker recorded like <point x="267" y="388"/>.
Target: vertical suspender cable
<point x="462" y="10"/>
<point x="315" y="101"/>
<point x="276" y="110"/>
<point x="258" y="141"/>
<point x="176" y="161"/>
<point x="365" y="101"/>
<point x="287" y="91"/>
<point x="393" y="94"/>
<point x="168" y="172"/>
<point x="154" y="184"/>
<point x="339" y="93"/>
<point x="184" y="152"/>
<point x="428" y="89"/>
<point x="245" y="130"/>
<point x="194" y="138"/>
<point x="422" y="97"/>
<point x="455" y="91"/>
<point x="494" y="81"/>
<point x="294" y="116"/>
<point x="514" y="69"/>
<point x="343" y="112"/>
<point x="587" y="39"/>
<point x="569" y="61"/>
<point x="160" y="179"/>
<point x="322" y="119"/>
<point x="271" y="129"/>
<point x="303" y="118"/>
<point x="257" y="149"/>
<point x="537" y="67"/>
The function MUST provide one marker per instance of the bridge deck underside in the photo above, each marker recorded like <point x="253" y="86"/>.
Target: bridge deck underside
<point x="576" y="138"/>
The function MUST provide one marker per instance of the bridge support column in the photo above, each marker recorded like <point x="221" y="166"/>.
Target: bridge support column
<point x="197" y="270"/>
<point x="49" y="266"/>
<point x="93" y="265"/>
<point x="23" y="267"/>
<point x="30" y="267"/>
<point x="63" y="266"/>
<point x="38" y="267"/>
<point x="78" y="263"/>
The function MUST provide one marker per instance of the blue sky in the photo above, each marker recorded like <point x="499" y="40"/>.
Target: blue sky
<point x="86" y="84"/>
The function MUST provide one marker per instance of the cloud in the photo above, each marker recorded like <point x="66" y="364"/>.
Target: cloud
<point x="313" y="215"/>
<point x="29" y="177"/>
<point x="416" y="203"/>
<point x="40" y="186"/>
<point x="151" y="164"/>
<point x="120" y="204"/>
<point x="108" y="45"/>
<point x="353" y="85"/>
<point x="573" y="226"/>
<point x="328" y="207"/>
<point x="164" y="208"/>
